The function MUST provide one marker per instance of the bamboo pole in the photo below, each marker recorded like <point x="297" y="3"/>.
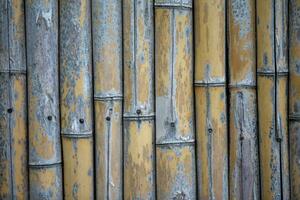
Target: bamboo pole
<point x="210" y="96"/>
<point x="294" y="97"/>
<point x="13" y="114"/>
<point x="45" y="179"/>
<point x="243" y="155"/>
<point x="175" y="140"/>
<point x="139" y="156"/>
<point x="76" y="98"/>
<point x="107" y="48"/>
<point x="267" y="105"/>
<point x="281" y="42"/>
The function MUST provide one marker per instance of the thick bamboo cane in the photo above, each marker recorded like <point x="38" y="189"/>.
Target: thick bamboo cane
<point x="281" y="48"/>
<point x="244" y="162"/>
<point x="210" y="97"/>
<point x="13" y="115"/>
<point x="76" y="98"/>
<point x="267" y="107"/>
<point x="175" y="140"/>
<point x="45" y="177"/>
<point x="294" y="97"/>
<point x="107" y="48"/>
<point x="139" y="156"/>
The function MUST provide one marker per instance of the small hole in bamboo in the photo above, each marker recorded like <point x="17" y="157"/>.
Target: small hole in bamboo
<point x="49" y="118"/>
<point x="107" y="118"/>
<point x="138" y="111"/>
<point x="10" y="110"/>
<point x="210" y="130"/>
<point x="81" y="121"/>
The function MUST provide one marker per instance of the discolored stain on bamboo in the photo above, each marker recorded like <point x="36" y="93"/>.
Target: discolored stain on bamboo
<point x="210" y="97"/>
<point x="43" y="107"/>
<point x="174" y="105"/>
<point x="139" y="129"/>
<point x="76" y="98"/>
<point x="107" y="48"/>
<point x="13" y="104"/>
<point x="294" y="96"/>
<point x="243" y="150"/>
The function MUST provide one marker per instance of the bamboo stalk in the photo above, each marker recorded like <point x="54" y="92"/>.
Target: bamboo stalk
<point x="175" y="140"/>
<point x="139" y="156"/>
<point x="76" y="98"/>
<point x="269" y="137"/>
<point x="281" y="23"/>
<point x="13" y="114"/>
<point x="243" y="155"/>
<point x="210" y="94"/>
<point x="294" y="97"/>
<point x="107" y="48"/>
<point x="45" y="179"/>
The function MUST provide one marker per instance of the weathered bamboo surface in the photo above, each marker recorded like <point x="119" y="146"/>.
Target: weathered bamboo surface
<point x="150" y="99"/>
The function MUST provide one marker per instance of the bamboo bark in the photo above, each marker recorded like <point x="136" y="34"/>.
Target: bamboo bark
<point x="294" y="97"/>
<point x="244" y="161"/>
<point x="210" y="97"/>
<point x="76" y="98"/>
<point x="107" y="48"/>
<point x="175" y="140"/>
<point x="13" y="104"/>
<point x="43" y="112"/>
<point x="139" y="156"/>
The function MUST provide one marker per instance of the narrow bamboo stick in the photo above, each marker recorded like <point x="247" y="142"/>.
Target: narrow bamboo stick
<point x="13" y="115"/>
<point x="269" y="137"/>
<point x="281" y="42"/>
<point x="45" y="179"/>
<point x="76" y="98"/>
<point x="294" y="97"/>
<point x="210" y="96"/>
<point x="175" y="140"/>
<point x="243" y="155"/>
<point x="139" y="156"/>
<point x="107" y="50"/>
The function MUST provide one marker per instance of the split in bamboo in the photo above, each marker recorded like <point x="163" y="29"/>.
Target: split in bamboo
<point x="76" y="98"/>
<point x="139" y="156"/>
<point x="175" y="140"/>
<point x="243" y="155"/>
<point x="107" y="51"/>
<point x="272" y="105"/>
<point x="13" y="105"/>
<point x="294" y="97"/>
<point x="210" y="97"/>
<point x="45" y="177"/>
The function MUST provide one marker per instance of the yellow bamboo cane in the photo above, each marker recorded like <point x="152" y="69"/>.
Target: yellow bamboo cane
<point x="294" y="97"/>
<point x="175" y="152"/>
<point x="13" y="115"/>
<point x="210" y="97"/>
<point x="76" y="98"/>
<point x="139" y="180"/>
<point x="243" y="155"/>
<point x="107" y="48"/>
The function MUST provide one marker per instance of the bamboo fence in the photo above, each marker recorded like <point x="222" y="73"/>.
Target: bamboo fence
<point x="150" y="99"/>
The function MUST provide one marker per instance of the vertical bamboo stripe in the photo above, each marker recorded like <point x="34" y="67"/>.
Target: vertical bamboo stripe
<point x="243" y="155"/>
<point x="210" y="96"/>
<point x="76" y="98"/>
<point x="294" y="97"/>
<point x="175" y="152"/>
<point x="139" y="156"/>
<point x="107" y="51"/>
<point x="13" y="105"/>
<point x="43" y="111"/>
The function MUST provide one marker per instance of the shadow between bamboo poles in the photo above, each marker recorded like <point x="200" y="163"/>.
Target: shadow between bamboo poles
<point x="210" y="96"/>
<point x="139" y="151"/>
<point x="76" y="98"/>
<point x="175" y="148"/>
<point x="107" y="48"/>
<point x="294" y="97"/>
<point x="45" y="178"/>
<point x="243" y="155"/>
<point x="13" y="104"/>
